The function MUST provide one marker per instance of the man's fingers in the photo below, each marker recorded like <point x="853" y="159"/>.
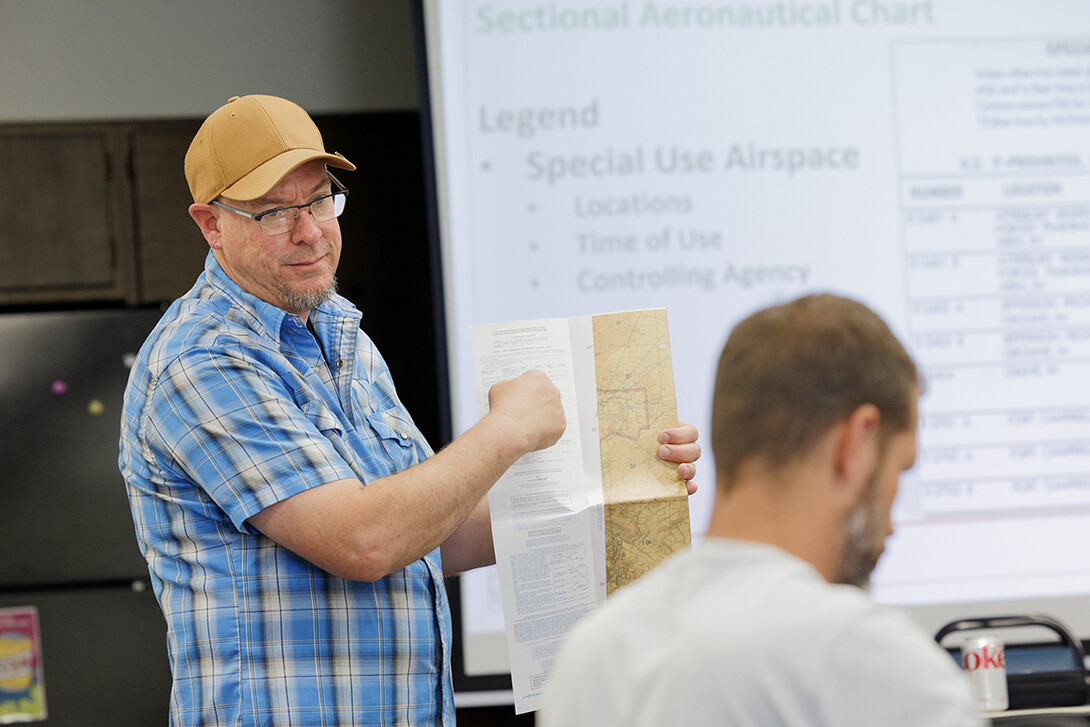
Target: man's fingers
<point x="683" y="433"/>
<point x="679" y="452"/>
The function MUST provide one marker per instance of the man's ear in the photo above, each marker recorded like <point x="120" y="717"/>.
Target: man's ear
<point x="206" y="218"/>
<point x="858" y="450"/>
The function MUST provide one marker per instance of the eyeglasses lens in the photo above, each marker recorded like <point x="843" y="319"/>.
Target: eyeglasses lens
<point x="323" y="209"/>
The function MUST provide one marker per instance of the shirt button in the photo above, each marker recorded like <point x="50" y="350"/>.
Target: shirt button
<point x="340" y="363"/>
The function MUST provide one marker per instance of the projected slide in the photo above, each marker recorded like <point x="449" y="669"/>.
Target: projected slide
<point x="929" y="158"/>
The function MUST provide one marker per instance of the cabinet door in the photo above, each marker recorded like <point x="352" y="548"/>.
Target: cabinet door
<point x="170" y="250"/>
<point x="63" y="234"/>
<point x="64" y="514"/>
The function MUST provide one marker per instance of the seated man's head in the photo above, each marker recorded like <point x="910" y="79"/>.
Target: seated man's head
<point x="794" y="375"/>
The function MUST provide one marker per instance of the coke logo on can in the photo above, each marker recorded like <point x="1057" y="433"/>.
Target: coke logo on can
<point x="985" y="659"/>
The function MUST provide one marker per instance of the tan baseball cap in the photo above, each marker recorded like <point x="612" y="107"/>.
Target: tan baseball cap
<point x="245" y="147"/>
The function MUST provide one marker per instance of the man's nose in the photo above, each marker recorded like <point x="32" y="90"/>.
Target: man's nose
<point x="306" y="228"/>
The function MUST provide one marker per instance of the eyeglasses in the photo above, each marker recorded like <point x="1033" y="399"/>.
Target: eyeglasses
<point x="282" y="219"/>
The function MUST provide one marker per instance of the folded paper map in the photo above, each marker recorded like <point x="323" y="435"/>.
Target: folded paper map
<point x="597" y="510"/>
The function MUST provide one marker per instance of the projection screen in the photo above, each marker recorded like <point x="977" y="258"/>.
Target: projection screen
<point x="928" y="158"/>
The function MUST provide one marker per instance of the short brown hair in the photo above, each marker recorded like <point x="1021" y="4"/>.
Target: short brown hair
<point x="788" y="373"/>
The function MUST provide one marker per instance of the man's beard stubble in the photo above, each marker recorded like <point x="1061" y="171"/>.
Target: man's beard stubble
<point x="297" y="301"/>
<point x="863" y="539"/>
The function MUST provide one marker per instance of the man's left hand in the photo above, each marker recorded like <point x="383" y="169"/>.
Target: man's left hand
<point x="679" y="445"/>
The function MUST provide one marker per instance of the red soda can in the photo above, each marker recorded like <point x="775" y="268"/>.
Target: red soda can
<point x="985" y="659"/>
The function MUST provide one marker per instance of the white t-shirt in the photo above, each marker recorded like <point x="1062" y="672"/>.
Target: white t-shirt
<point x="737" y="633"/>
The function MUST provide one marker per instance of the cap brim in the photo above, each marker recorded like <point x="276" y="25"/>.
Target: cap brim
<point x="265" y="177"/>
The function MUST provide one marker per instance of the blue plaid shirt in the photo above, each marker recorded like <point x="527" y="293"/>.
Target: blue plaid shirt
<point x="231" y="406"/>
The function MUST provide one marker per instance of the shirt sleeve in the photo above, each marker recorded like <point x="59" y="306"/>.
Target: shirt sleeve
<point x="233" y="427"/>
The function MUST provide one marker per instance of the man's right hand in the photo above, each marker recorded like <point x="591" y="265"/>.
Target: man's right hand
<point x="530" y="404"/>
<point x="367" y="532"/>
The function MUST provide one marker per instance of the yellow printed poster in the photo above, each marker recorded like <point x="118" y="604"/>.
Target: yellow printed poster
<point x="22" y="684"/>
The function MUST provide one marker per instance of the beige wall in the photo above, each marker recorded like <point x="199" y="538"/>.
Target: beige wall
<point x="68" y="60"/>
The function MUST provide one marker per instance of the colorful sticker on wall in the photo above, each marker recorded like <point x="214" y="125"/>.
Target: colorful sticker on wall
<point x="22" y="683"/>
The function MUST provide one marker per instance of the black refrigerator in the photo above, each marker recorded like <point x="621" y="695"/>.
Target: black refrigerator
<point x="68" y="552"/>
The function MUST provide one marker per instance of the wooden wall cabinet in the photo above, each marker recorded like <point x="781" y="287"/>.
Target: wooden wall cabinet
<point x="95" y="213"/>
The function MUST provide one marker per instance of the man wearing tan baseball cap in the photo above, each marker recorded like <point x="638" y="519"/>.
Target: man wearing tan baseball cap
<point x="297" y="525"/>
